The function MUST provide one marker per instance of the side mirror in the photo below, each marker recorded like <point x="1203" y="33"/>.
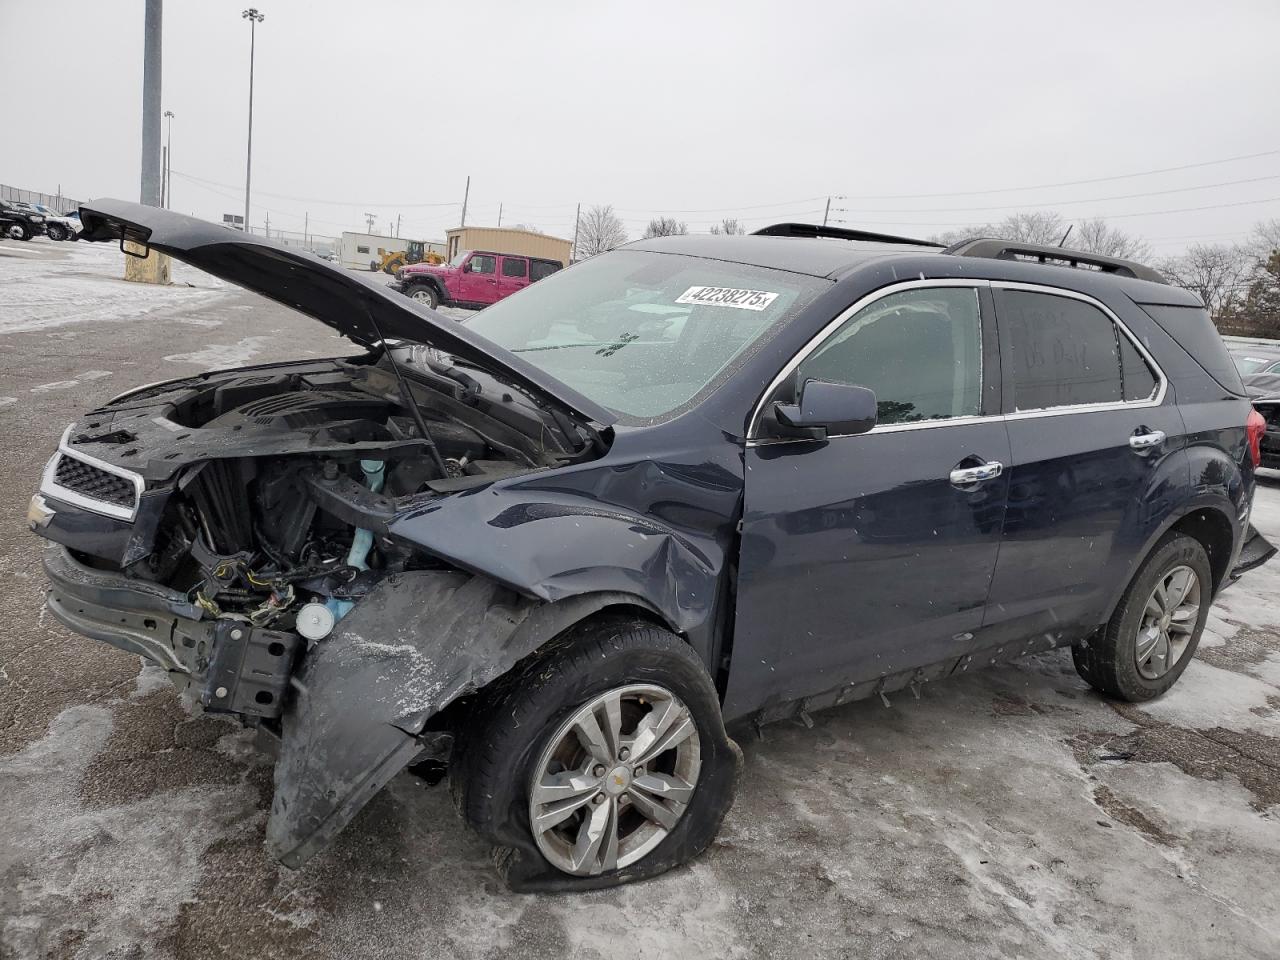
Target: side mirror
<point x="826" y="409"/>
<point x="466" y="267"/>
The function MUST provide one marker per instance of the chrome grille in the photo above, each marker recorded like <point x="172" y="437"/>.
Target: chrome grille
<point x="93" y="482"/>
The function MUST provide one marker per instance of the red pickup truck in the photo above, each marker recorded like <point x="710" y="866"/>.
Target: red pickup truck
<point x="473" y="278"/>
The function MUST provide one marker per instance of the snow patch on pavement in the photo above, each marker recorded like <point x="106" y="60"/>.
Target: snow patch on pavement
<point x="134" y="863"/>
<point x="216" y="356"/>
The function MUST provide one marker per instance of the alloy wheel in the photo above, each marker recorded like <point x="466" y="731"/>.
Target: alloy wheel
<point x="614" y="779"/>
<point x="1168" y="621"/>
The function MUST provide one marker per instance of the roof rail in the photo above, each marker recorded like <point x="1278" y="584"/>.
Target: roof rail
<point x="837" y="233"/>
<point x="993" y="249"/>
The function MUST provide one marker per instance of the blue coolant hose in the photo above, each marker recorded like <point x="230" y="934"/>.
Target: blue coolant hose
<point x="362" y="542"/>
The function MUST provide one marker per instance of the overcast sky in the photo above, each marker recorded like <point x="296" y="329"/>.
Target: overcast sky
<point x="694" y="110"/>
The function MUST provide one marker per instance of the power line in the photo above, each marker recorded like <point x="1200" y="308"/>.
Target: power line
<point x="1065" y="183"/>
<point x="1064" y="203"/>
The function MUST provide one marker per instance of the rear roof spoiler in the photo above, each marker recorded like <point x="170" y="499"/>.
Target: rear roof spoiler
<point x="837" y="233"/>
<point x="993" y="249"/>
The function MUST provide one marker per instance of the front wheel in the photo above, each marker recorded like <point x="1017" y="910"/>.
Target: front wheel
<point x="22" y="231"/>
<point x="56" y="232"/>
<point x="603" y="762"/>
<point x="424" y="295"/>
<point x="1156" y="627"/>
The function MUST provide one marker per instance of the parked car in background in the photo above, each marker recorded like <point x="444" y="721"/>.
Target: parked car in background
<point x="58" y="226"/>
<point x="696" y="484"/>
<point x="25" y="222"/>
<point x="474" y="278"/>
<point x="1251" y="358"/>
<point x="1265" y="390"/>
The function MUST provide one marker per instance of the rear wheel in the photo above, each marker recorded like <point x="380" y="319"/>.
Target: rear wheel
<point x="1151" y="637"/>
<point x="602" y="762"/>
<point x="424" y="294"/>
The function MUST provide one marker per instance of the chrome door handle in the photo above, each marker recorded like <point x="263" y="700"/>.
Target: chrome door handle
<point x="963" y="476"/>
<point x="1145" y="441"/>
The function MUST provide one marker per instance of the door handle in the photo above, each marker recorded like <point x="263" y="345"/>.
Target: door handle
<point x="965" y="476"/>
<point x="1145" y="441"/>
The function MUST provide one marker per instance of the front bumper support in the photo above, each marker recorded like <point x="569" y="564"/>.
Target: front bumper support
<point x="231" y="665"/>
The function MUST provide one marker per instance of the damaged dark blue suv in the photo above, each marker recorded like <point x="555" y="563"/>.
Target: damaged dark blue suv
<point x="693" y="482"/>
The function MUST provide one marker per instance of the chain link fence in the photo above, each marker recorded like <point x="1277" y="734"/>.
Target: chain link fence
<point x="58" y="202"/>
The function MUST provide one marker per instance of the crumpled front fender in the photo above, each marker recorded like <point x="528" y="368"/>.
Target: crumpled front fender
<point x="413" y="645"/>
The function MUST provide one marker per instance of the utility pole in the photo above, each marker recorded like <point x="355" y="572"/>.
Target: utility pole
<point x="577" y="218"/>
<point x="465" y="197"/>
<point x="826" y="212"/>
<point x="268" y="224"/>
<point x="369" y="218"/>
<point x="168" y="160"/>
<point x="254" y="18"/>
<point x="151" y="103"/>
<point x="153" y="268"/>
<point x="306" y="226"/>
<point x="397" y="226"/>
<point x="499" y="214"/>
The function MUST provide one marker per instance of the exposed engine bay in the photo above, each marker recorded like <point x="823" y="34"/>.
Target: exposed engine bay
<point x="264" y="496"/>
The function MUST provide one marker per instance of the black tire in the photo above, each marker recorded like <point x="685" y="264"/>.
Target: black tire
<point x="73" y="236"/>
<point x="22" y="231"/>
<point x="56" y="232"/>
<point x="424" y="293"/>
<point x="507" y="730"/>
<point x="1108" y="660"/>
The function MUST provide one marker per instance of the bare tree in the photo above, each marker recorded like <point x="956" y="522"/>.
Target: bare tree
<point x="1219" y="272"/>
<point x="729" y="227"/>
<point x="1097" y="236"/>
<point x="1034" y="227"/>
<point x="1264" y="240"/>
<point x="665" y="227"/>
<point x="599" y="229"/>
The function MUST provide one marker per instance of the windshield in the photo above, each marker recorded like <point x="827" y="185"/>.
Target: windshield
<point x="459" y="257"/>
<point x="1247" y="364"/>
<point x="643" y="333"/>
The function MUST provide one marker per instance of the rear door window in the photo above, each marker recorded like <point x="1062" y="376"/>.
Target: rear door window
<point x="513" y="267"/>
<point x="1065" y="352"/>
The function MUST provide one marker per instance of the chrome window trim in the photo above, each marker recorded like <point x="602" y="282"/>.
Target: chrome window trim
<point x="53" y="489"/>
<point x="753" y="439"/>
<point x="1162" y="382"/>
<point x="820" y="337"/>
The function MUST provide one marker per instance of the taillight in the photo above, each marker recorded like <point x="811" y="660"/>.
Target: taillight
<point x="1254" y="428"/>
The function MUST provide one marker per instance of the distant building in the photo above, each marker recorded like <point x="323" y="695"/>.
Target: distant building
<point x="364" y="251"/>
<point x="502" y="240"/>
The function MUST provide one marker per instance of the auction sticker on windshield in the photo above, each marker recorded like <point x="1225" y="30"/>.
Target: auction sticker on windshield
<point x="728" y="297"/>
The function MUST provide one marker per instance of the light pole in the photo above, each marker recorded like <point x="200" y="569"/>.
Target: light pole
<point x="168" y="160"/>
<point x="254" y="18"/>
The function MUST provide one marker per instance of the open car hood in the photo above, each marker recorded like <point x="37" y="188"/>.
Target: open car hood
<point x="335" y="296"/>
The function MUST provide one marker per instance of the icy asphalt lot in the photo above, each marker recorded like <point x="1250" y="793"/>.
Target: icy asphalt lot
<point x="1010" y="813"/>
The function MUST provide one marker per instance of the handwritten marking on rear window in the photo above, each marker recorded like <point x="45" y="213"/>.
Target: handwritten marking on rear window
<point x="728" y="297"/>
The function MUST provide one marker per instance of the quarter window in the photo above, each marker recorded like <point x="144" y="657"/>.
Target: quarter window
<point x="512" y="267"/>
<point x="1067" y="352"/>
<point x="919" y="350"/>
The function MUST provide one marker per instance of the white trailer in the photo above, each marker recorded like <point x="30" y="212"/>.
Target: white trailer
<point x="364" y="251"/>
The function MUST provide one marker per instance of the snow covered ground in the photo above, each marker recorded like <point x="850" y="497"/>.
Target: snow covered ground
<point x="1010" y="813"/>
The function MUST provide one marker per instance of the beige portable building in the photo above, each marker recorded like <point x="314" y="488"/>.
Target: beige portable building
<point x="503" y="240"/>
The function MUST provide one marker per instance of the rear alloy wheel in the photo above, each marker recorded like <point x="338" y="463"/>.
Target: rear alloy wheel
<point x="614" y="779"/>
<point x="1156" y="627"/>
<point x="424" y="294"/>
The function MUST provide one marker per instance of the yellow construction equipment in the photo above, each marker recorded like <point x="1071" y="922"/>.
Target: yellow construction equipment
<point x="417" y="253"/>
